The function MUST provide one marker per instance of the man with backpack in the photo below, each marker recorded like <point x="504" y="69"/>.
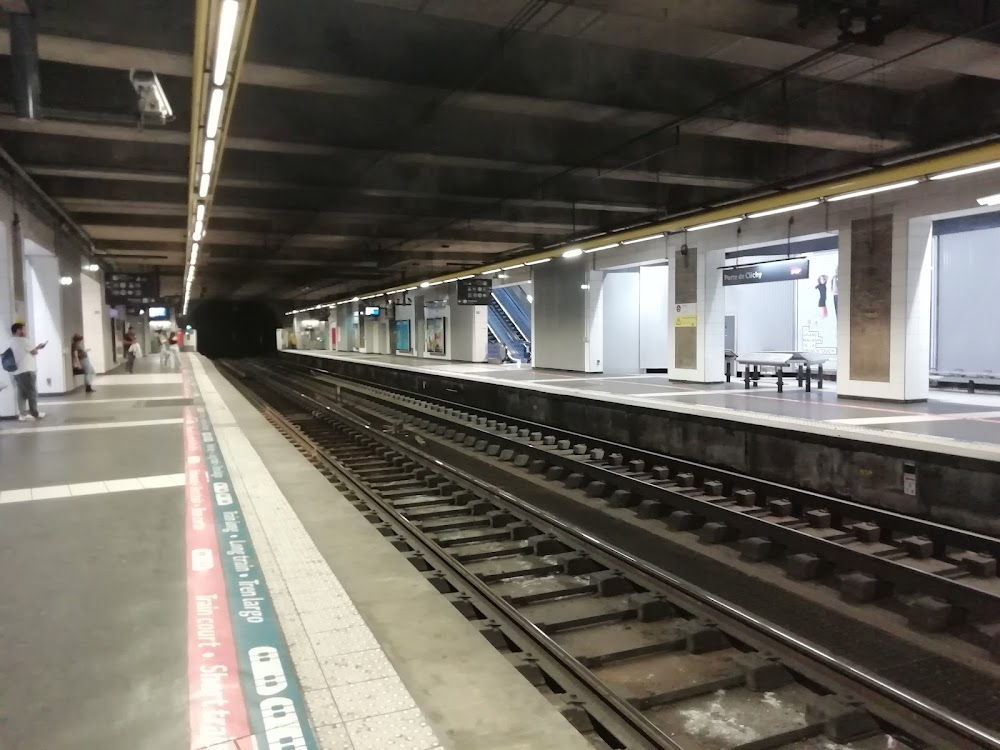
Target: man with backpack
<point x="20" y="360"/>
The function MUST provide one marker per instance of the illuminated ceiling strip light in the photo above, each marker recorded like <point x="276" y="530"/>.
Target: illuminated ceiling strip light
<point x="463" y="278"/>
<point x="355" y="299"/>
<point x="536" y="262"/>
<point x="872" y="191"/>
<point x="967" y="170"/>
<point x="711" y="224"/>
<point x="214" y="114"/>
<point x="424" y="284"/>
<point x="208" y="156"/>
<point x="573" y="253"/>
<point x="643" y="239"/>
<point x="206" y="181"/>
<point x="410" y="288"/>
<point x="199" y="212"/>
<point x="199" y="230"/>
<point x="989" y="200"/>
<point x="782" y="210"/>
<point x="224" y="45"/>
<point x="602" y="247"/>
<point x="491" y="272"/>
<point x="511" y="268"/>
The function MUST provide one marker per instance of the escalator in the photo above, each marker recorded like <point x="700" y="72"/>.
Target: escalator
<point x="510" y="322"/>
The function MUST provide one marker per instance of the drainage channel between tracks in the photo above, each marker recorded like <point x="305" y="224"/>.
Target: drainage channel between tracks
<point x="651" y="661"/>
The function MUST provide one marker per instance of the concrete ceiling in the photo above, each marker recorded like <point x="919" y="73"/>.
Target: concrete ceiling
<point x="374" y="141"/>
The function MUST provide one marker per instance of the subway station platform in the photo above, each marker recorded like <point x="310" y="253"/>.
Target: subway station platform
<point x="950" y="422"/>
<point x="175" y="574"/>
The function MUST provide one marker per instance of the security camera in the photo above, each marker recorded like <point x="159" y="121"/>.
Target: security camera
<point x="153" y="102"/>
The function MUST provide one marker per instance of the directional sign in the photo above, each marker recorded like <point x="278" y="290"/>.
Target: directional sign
<point x="477" y="291"/>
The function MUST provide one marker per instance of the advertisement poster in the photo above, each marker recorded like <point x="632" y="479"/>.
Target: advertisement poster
<point x="818" y="307"/>
<point x="436" y="335"/>
<point x="402" y="335"/>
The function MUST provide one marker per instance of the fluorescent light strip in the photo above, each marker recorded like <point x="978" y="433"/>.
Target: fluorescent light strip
<point x="208" y="156"/>
<point x="537" y="262"/>
<point x="224" y="45"/>
<point x="872" y="191"/>
<point x="712" y="224"/>
<point x="463" y="278"/>
<point x="490" y="273"/>
<point x="967" y="170"/>
<point x="206" y="181"/>
<point x="989" y="200"/>
<point x="602" y="247"/>
<point x="782" y="210"/>
<point x="511" y="268"/>
<point x="643" y="239"/>
<point x="214" y="114"/>
<point x="199" y="212"/>
<point x="573" y="253"/>
<point x="199" y="230"/>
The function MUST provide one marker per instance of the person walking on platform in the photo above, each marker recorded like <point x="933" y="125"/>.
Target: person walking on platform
<point x="25" y="372"/>
<point x="174" y="350"/>
<point x="82" y="364"/>
<point x="129" y="341"/>
<point x="164" y="350"/>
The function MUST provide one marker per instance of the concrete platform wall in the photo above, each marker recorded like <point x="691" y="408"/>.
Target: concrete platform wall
<point x="952" y="489"/>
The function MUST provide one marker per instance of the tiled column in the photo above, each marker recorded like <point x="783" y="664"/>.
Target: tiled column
<point x="885" y="298"/>
<point x="697" y="315"/>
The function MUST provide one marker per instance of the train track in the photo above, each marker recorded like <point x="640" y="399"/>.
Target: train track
<point x="943" y="578"/>
<point x="635" y="657"/>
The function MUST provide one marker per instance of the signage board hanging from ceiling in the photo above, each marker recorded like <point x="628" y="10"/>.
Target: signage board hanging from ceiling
<point x="131" y="288"/>
<point x="791" y="269"/>
<point x="476" y="291"/>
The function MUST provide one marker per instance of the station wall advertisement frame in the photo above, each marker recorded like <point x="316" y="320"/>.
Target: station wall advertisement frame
<point x="435" y="336"/>
<point x="403" y="336"/>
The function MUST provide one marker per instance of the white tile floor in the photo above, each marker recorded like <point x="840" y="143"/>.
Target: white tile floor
<point x="60" y="491"/>
<point x="355" y="698"/>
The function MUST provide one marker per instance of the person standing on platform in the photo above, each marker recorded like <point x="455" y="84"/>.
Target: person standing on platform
<point x="128" y="341"/>
<point x="82" y="364"/>
<point x="26" y="374"/>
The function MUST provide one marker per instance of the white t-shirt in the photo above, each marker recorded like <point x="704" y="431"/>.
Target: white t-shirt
<point x="26" y="361"/>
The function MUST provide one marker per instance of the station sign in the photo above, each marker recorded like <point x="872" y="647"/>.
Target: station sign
<point x="478" y="291"/>
<point x="791" y="269"/>
<point x="131" y="288"/>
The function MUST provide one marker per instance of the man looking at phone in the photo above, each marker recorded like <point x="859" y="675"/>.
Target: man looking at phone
<point x="25" y="376"/>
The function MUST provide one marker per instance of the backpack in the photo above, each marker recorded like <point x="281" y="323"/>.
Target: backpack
<point x="8" y="360"/>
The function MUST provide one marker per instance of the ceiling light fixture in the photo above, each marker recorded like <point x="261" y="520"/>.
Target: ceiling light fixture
<point x="214" y="114"/>
<point x="206" y="181"/>
<point x="199" y="212"/>
<point x="872" y="191"/>
<point x="424" y="284"/>
<point x="989" y="200"/>
<point x="199" y="230"/>
<point x="602" y="247"/>
<point x="537" y="262"/>
<point x="585" y="286"/>
<point x="712" y="224"/>
<point x="224" y="45"/>
<point x="463" y="278"/>
<point x="208" y="156"/>
<point x="511" y="268"/>
<point x="66" y="280"/>
<point x="643" y="239"/>
<point x="967" y="170"/>
<point x="573" y="253"/>
<point x="782" y="209"/>
<point x="355" y="299"/>
<point x="92" y="267"/>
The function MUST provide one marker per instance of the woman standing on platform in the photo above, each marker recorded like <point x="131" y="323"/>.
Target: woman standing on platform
<point x="128" y="341"/>
<point x="81" y="363"/>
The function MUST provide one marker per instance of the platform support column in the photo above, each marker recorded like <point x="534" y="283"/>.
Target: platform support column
<point x="884" y="307"/>
<point x="96" y="321"/>
<point x="697" y="315"/>
<point x="568" y="316"/>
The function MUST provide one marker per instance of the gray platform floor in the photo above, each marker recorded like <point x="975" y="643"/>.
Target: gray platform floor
<point x="93" y="613"/>
<point x="956" y="422"/>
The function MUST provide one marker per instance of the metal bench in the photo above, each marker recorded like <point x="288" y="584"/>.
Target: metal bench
<point x="803" y="361"/>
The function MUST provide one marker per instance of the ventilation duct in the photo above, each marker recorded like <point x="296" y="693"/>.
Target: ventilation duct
<point x="26" y="85"/>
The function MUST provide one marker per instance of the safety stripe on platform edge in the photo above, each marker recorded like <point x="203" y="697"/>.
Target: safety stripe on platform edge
<point x="244" y="694"/>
